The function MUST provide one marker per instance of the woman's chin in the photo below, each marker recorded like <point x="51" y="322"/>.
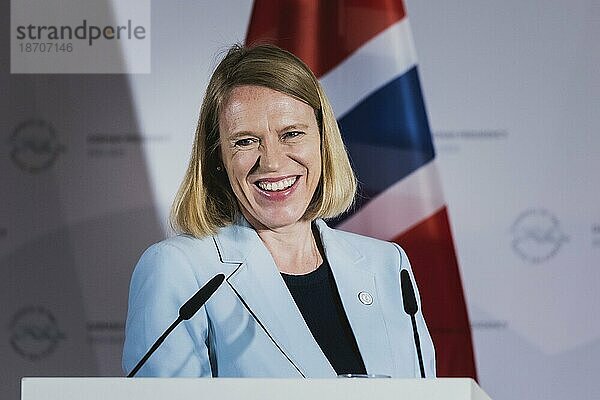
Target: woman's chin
<point x="275" y="219"/>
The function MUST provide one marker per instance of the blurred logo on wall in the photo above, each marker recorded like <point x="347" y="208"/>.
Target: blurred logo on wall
<point x="34" y="333"/>
<point x="34" y="145"/>
<point x="489" y="324"/>
<point x="106" y="332"/>
<point x="115" y="145"/>
<point x="449" y="142"/>
<point x="537" y="235"/>
<point x="596" y="235"/>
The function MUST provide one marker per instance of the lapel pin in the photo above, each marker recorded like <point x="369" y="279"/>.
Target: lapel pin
<point x="365" y="298"/>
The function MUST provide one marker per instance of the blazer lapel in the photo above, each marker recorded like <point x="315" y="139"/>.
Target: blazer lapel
<point x="258" y="283"/>
<point x="366" y="316"/>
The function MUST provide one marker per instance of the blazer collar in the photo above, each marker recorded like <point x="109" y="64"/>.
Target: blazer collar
<point x="257" y="281"/>
<point x="354" y="276"/>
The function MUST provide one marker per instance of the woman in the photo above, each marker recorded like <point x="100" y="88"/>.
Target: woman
<point x="300" y="299"/>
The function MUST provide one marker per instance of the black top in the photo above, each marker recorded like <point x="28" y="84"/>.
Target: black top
<point x="319" y="302"/>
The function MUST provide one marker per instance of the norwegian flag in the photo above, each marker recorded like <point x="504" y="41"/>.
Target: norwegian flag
<point x="363" y="53"/>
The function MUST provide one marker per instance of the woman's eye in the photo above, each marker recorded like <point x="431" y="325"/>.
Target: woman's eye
<point x="292" y="134"/>
<point x="246" y="142"/>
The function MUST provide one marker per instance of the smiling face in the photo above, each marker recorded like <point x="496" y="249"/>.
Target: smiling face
<point x="270" y="147"/>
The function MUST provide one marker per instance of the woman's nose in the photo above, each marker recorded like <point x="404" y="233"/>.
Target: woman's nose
<point x="271" y="157"/>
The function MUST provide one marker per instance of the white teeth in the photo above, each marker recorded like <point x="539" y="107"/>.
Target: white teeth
<point x="277" y="186"/>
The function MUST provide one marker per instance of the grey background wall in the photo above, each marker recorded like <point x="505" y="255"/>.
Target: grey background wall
<point x="513" y="91"/>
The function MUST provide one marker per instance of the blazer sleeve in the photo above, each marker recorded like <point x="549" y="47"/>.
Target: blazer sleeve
<point x="162" y="281"/>
<point x="427" y="349"/>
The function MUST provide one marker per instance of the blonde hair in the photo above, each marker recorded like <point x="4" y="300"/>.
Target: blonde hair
<point x="205" y="200"/>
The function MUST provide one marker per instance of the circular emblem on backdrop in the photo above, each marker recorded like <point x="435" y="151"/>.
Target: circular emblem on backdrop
<point x="537" y="235"/>
<point x="34" y="333"/>
<point x="34" y="145"/>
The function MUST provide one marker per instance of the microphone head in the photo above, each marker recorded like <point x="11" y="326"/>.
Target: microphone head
<point x="408" y="293"/>
<point x="192" y="306"/>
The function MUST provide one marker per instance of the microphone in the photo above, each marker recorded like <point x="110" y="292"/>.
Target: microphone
<point x="186" y="312"/>
<point x="411" y="308"/>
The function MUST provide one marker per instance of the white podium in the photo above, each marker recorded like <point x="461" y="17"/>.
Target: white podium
<point x="249" y="389"/>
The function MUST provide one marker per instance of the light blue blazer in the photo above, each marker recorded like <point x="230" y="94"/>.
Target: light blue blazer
<point x="251" y="326"/>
